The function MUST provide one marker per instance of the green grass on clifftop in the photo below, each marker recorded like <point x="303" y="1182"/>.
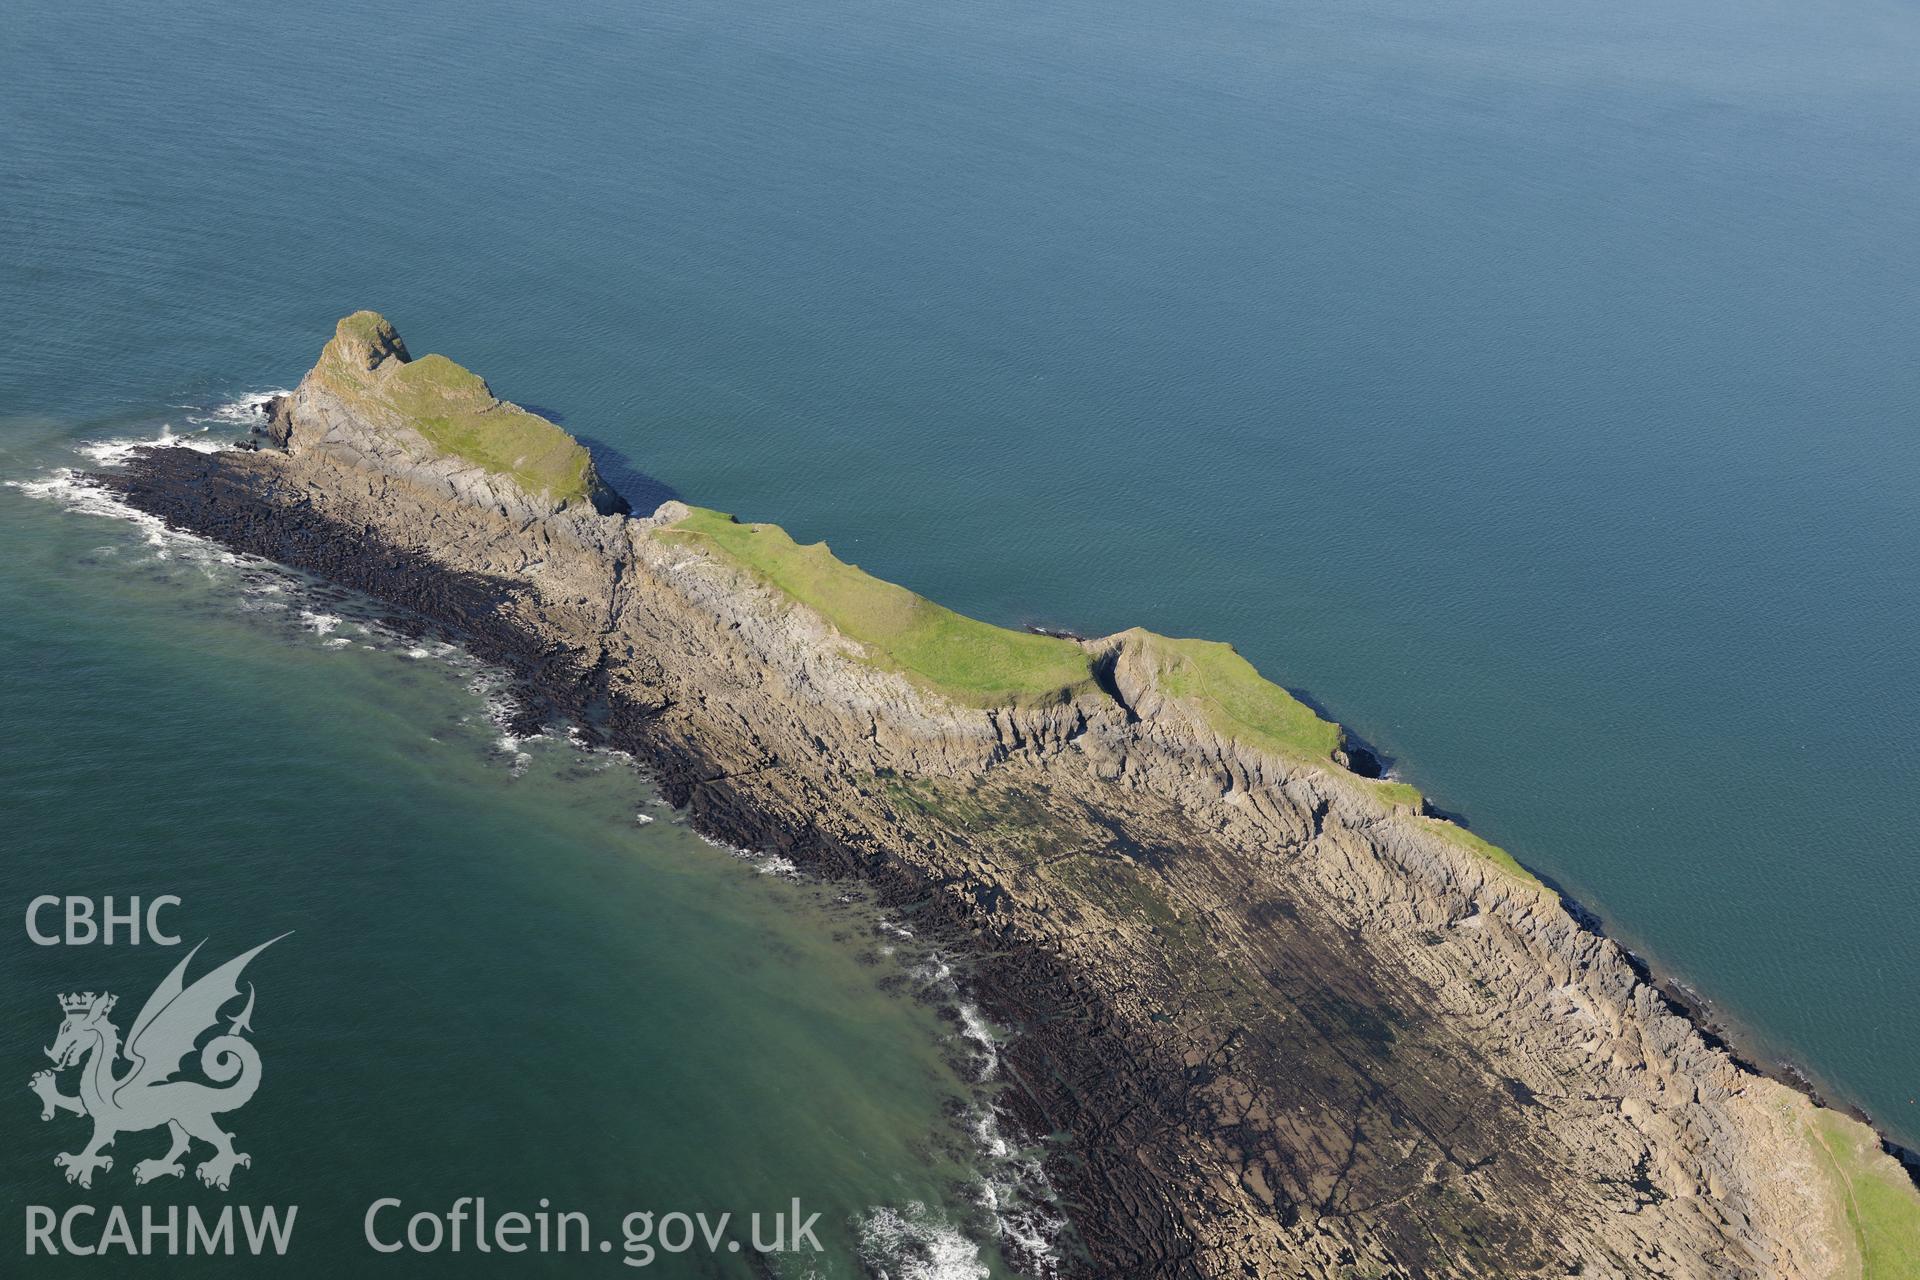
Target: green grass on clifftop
<point x="456" y="411"/>
<point x="363" y="325"/>
<point x="1237" y="701"/>
<point x="1493" y="853"/>
<point x="970" y="661"/>
<point x="1882" y="1206"/>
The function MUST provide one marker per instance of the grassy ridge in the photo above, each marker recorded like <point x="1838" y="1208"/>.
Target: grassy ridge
<point x="1882" y="1207"/>
<point x="1457" y="834"/>
<point x="363" y="326"/>
<point x="1236" y="700"/>
<point x="454" y="409"/>
<point x="969" y="661"/>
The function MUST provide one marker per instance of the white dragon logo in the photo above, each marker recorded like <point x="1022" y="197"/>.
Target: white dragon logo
<point x="146" y="1097"/>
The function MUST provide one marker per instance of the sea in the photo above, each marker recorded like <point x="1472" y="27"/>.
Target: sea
<point x="1531" y="387"/>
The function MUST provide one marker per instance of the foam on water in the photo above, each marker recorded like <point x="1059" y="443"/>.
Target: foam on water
<point x="243" y="412"/>
<point x="116" y="453"/>
<point x="491" y="686"/>
<point x="255" y="585"/>
<point x="70" y="487"/>
<point x="767" y="864"/>
<point x="918" y="1243"/>
<point x="321" y="623"/>
<point x="979" y="1034"/>
<point x="1017" y="1194"/>
<point x="72" y="490"/>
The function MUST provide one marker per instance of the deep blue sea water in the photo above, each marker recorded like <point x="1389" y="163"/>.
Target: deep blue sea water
<point x="1533" y="385"/>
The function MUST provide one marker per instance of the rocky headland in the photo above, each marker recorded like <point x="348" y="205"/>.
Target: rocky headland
<point x="1291" y="1023"/>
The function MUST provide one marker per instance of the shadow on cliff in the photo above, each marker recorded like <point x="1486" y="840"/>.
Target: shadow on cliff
<point x="1363" y="757"/>
<point x="642" y="491"/>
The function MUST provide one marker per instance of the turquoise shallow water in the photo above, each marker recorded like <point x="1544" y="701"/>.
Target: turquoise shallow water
<point x="1532" y="386"/>
<point x="511" y="973"/>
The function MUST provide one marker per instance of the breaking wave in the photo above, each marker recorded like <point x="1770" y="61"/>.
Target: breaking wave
<point x="243" y="412"/>
<point x="74" y="490"/>
<point x="917" y="1243"/>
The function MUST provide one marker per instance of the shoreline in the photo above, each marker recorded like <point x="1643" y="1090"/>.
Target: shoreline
<point x="1294" y="1021"/>
<point x="1366" y="759"/>
<point x="430" y="599"/>
<point x="1682" y="997"/>
<point x="427" y="600"/>
<point x="1738" y="1041"/>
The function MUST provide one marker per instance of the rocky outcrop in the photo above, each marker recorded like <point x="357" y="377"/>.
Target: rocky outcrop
<point x="368" y="405"/>
<point x="1292" y="1026"/>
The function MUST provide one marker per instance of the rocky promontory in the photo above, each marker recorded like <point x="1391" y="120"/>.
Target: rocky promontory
<point x="1291" y="1024"/>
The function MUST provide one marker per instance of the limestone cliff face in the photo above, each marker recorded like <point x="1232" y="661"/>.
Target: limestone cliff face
<point x="1293" y="1026"/>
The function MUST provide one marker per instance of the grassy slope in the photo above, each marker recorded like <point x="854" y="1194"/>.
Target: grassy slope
<point x="968" y="661"/>
<point x="982" y="665"/>
<point x="1241" y="704"/>
<point x="457" y="413"/>
<point x="1236" y="701"/>
<point x="1493" y="853"/>
<point x="1882" y="1206"/>
<point x="454" y="409"/>
<point x="363" y="325"/>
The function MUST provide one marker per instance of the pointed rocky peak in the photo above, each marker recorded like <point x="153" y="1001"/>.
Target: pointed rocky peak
<point x="364" y="341"/>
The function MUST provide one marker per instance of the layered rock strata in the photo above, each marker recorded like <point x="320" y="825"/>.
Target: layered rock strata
<point x="1288" y="1024"/>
